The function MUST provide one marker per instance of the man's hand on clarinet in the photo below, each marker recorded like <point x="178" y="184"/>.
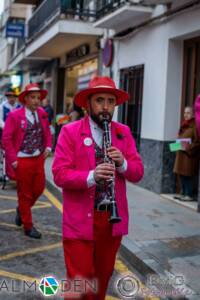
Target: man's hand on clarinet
<point x="104" y="171"/>
<point x="116" y="156"/>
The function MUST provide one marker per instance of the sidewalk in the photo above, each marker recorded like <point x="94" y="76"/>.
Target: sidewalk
<point x="164" y="237"/>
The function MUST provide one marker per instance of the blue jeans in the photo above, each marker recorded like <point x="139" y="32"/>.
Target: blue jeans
<point x="186" y="185"/>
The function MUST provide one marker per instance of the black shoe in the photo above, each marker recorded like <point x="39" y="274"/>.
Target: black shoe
<point x="33" y="233"/>
<point x="18" y="220"/>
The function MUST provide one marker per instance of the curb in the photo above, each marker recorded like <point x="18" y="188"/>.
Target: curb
<point x="146" y="265"/>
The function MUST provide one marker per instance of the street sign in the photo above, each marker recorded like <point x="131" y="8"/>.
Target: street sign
<point x="15" y="30"/>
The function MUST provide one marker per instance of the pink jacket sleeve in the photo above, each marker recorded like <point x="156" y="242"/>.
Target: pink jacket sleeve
<point x="7" y="139"/>
<point x="135" y="169"/>
<point x="64" y="172"/>
<point x="197" y="113"/>
<point x="48" y="136"/>
<point x="44" y="118"/>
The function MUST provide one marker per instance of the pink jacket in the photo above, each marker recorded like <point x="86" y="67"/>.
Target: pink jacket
<point x="197" y="113"/>
<point x="72" y="162"/>
<point x="13" y="134"/>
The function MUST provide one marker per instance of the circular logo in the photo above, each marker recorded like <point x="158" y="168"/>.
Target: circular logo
<point x="87" y="141"/>
<point x="128" y="286"/>
<point x="48" y="286"/>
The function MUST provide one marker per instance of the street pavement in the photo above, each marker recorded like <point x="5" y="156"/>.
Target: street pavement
<point x="162" y="248"/>
<point x="164" y="239"/>
<point x="163" y="243"/>
<point x="25" y="261"/>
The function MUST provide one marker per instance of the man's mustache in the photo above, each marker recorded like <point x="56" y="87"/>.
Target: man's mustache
<point x="105" y="115"/>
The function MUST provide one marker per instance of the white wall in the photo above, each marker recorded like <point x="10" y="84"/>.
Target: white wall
<point x="173" y="89"/>
<point x="26" y="79"/>
<point x="160" y="48"/>
<point x="4" y="54"/>
<point x="148" y="47"/>
<point x="185" y="25"/>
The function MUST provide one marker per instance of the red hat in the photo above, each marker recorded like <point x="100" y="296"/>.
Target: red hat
<point x="100" y="85"/>
<point x="32" y="87"/>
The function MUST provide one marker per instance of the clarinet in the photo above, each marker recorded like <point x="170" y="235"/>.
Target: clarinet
<point x="114" y="216"/>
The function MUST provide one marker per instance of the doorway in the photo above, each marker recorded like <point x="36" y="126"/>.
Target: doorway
<point x="130" y="113"/>
<point x="191" y="82"/>
<point x="191" y="72"/>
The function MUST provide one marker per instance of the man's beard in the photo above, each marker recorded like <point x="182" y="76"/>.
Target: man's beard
<point x="97" y="118"/>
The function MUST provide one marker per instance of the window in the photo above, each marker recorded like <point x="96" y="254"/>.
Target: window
<point x="131" y="112"/>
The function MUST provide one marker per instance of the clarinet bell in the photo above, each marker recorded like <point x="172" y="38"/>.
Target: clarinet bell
<point x="114" y="217"/>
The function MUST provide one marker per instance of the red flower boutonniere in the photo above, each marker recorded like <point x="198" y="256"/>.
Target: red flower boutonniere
<point x="119" y="133"/>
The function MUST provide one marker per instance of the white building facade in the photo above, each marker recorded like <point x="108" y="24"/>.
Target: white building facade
<point x="157" y="61"/>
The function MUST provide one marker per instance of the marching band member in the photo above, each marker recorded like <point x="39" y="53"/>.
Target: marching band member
<point x="90" y="241"/>
<point x="27" y="142"/>
<point x="8" y="105"/>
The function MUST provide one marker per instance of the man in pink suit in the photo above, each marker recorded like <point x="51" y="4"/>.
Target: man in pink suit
<point x="90" y="241"/>
<point x="27" y="142"/>
<point x="197" y="113"/>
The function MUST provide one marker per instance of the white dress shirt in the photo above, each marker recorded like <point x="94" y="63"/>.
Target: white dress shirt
<point x="97" y="135"/>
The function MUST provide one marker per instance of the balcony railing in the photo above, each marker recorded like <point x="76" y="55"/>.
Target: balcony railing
<point x="48" y="11"/>
<point x="105" y="7"/>
<point x="20" y="43"/>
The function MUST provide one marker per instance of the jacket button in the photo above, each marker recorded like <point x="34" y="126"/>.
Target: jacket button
<point x="89" y="215"/>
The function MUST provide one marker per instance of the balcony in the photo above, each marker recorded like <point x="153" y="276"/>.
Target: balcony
<point x="58" y="26"/>
<point x="48" y="11"/>
<point x="119" y="14"/>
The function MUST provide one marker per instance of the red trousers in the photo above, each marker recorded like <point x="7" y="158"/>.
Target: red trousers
<point x="30" y="179"/>
<point x="93" y="259"/>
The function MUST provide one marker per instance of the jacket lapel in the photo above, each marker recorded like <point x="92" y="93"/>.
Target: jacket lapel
<point x="87" y="142"/>
<point x="22" y="118"/>
<point x="116" y="141"/>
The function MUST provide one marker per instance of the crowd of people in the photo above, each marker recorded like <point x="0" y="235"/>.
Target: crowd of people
<point x="93" y="159"/>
